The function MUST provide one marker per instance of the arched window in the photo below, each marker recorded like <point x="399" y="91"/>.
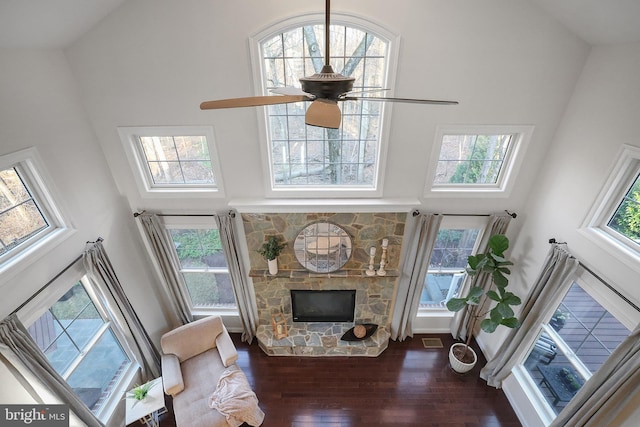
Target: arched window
<point x="312" y="158"/>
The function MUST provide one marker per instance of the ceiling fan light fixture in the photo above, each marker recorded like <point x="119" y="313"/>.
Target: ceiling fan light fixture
<point x="323" y="113"/>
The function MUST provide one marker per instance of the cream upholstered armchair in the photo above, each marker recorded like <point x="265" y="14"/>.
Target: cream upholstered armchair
<point x="195" y="357"/>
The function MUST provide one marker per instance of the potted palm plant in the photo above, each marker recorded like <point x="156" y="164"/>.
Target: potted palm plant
<point x="270" y="250"/>
<point x="461" y="355"/>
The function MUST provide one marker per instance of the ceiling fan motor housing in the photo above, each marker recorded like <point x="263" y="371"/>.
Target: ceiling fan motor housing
<point x="327" y="84"/>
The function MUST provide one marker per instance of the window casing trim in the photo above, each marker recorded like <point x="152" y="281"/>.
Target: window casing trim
<point x="393" y="43"/>
<point x="201" y="223"/>
<point x="512" y="162"/>
<point x="129" y="136"/>
<point x="617" y="184"/>
<point x="33" y="171"/>
<point x="55" y="290"/>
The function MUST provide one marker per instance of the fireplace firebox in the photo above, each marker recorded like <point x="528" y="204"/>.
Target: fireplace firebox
<point x="323" y="305"/>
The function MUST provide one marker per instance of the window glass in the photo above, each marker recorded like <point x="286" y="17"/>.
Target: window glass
<point x="81" y="346"/>
<point x="572" y="346"/>
<point x="471" y="159"/>
<point x="177" y="160"/>
<point x="308" y="156"/>
<point x="21" y="217"/>
<point x="447" y="265"/>
<point x="626" y="218"/>
<point x="204" y="267"/>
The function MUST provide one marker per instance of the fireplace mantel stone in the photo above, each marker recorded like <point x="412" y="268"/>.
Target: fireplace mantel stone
<point x="320" y="339"/>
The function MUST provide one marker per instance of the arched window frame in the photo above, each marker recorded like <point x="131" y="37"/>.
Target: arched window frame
<point x="255" y="41"/>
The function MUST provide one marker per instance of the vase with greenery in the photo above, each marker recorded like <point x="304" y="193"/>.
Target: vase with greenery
<point x="495" y="265"/>
<point x="271" y="250"/>
<point x="140" y="392"/>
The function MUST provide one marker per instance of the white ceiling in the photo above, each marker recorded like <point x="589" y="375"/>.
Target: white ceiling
<point x="58" y="23"/>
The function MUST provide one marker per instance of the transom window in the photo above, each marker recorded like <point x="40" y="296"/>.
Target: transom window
<point x="30" y="222"/>
<point x="471" y="159"/>
<point x="173" y="159"/>
<point x="614" y="219"/>
<point x="177" y="160"/>
<point x="203" y="265"/>
<point x="626" y="218"/>
<point x="20" y="215"/>
<point x="80" y="342"/>
<point x="316" y="158"/>
<point x="475" y="160"/>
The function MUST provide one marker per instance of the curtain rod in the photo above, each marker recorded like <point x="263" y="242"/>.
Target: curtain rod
<point x="416" y="212"/>
<point x="46" y="285"/>
<point x="137" y="214"/>
<point x="600" y="279"/>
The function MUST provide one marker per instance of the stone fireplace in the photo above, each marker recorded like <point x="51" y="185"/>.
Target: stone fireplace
<point x="374" y="294"/>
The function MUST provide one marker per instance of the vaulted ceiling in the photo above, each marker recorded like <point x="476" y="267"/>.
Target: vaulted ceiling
<point x="58" y="23"/>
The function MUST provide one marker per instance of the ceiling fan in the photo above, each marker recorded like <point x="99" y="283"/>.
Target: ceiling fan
<point x="324" y="90"/>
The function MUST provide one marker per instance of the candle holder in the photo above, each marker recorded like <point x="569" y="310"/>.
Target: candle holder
<point x="383" y="259"/>
<point x="372" y="254"/>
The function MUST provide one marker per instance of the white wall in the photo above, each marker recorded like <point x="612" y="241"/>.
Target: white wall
<point x="41" y="108"/>
<point x="153" y="61"/>
<point x="602" y="115"/>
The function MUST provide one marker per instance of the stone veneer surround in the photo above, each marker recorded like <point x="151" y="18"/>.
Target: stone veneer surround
<point x="374" y="295"/>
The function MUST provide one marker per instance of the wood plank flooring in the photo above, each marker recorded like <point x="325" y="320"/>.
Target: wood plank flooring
<point x="408" y="385"/>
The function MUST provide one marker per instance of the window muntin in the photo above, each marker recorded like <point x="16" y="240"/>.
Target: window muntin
<point x="177" y="160"/>
<point x="304" y="156"/>
<point x="79" y="341"/>
<point x="447" y="265"/>
<point x="472" y="159"/>
<point x="204" y="267"/>
<point x="571" y="347"/>
<point x="21" y="218"/>
<point x="173" y="159"/>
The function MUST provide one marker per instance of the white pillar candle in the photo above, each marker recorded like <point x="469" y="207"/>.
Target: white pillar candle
<point x="372" y="251"/>
<point x="385" y="243"/>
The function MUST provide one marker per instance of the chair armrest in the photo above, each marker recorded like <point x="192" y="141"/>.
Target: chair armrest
<point x="227" y="350"/>
<point x="171" y="374"/>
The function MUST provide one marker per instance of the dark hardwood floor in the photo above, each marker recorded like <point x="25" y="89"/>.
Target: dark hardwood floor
<point x="408" y="385"/>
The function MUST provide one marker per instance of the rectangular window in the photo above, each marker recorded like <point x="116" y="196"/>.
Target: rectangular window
<point x="457" y="239"/>
<point x="31" y="223"/>
<point x="571" y="347"/>
<point x="173" y="159"/>
<point x="20" y="215"/>
<point x="474" y="160"/>
<point x="80" y="342"/>
<point x="203" y="266"/>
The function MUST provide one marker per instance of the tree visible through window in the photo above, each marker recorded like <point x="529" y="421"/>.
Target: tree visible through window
<point x="304" y="155"/>
<point x="471" y="159"/>
<point x="204" y="267"/>
<point x="626" y="219"/>
<point x="20" y="214"/>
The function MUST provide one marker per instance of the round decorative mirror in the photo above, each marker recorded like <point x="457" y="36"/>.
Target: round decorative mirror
<point x="323" y="247"/>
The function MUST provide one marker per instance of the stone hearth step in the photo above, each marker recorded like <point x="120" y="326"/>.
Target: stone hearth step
<point x="321" y="339"/>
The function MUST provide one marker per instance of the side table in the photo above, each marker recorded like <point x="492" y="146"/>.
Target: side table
<point x="148" y="409"/>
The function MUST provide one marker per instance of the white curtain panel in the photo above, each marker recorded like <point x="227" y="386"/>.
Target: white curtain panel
<point x="161" y="246"/>
<point x="423" y="230"/>
<point x="551" y="285"/>
<point x="242" y="286"/>
<point x="98" y="265"/>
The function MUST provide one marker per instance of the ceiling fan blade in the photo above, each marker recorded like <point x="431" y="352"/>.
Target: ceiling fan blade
<point x="323" y="113"/>
<point x="408" y="100"/>
<point x="289" y="90"/>
<point x="252" y="101"/>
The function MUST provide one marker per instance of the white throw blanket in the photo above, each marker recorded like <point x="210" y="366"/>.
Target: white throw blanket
<point x="234" y="399"/>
